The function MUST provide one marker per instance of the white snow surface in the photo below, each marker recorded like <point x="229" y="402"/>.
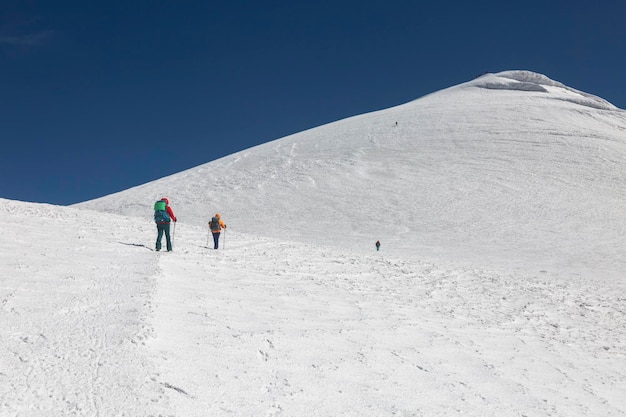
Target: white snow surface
<point x="498" y="290"/>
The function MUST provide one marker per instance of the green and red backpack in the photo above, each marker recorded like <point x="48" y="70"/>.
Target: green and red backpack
<point x="160" y="213"/>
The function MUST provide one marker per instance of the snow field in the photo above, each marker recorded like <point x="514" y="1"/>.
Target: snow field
<point x="292" y="329"/>
<point x="74" y="297"/>
<point x="96" y="323"/>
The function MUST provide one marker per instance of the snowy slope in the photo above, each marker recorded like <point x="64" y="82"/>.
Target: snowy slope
<point x="510" y="169"/>
<point x="498" y="291"/>
<point x="74" y="310"/>
<point x="93" y="323"/>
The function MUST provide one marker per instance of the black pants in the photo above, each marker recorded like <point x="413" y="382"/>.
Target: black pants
<point x="216" y="239"/>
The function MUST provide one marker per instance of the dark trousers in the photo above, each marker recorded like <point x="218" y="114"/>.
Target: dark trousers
<point x="163" y="228"/>
<point x="216" y="239"/>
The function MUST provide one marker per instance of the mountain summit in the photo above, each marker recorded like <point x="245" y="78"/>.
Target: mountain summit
<point x="507" y="169"/>
<point x="531" y="81"/>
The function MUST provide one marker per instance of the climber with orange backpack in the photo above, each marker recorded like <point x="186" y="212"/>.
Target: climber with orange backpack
<point x="216" y="225"/>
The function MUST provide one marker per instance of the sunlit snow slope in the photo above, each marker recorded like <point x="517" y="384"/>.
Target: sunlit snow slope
<point x="511" y="169"/>
<point x="498" y="290"/>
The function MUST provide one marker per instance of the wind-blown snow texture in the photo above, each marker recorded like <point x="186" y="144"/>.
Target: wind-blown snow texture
<point x="498" y="290"/>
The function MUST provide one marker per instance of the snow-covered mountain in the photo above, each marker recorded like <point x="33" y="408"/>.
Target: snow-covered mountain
<point x="498" y="290"/>
<point x="513" y="169"/>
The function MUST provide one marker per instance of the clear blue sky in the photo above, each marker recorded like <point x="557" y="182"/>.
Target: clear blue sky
<point x="100" y="96"/>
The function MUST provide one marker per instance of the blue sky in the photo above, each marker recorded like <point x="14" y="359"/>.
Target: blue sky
<point x="100" y="96"/>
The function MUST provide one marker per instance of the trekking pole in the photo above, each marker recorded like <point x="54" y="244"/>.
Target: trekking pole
<point x="224" y="244"/>
<point x="174" y="232"/>
<point x="208" y="234"/>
